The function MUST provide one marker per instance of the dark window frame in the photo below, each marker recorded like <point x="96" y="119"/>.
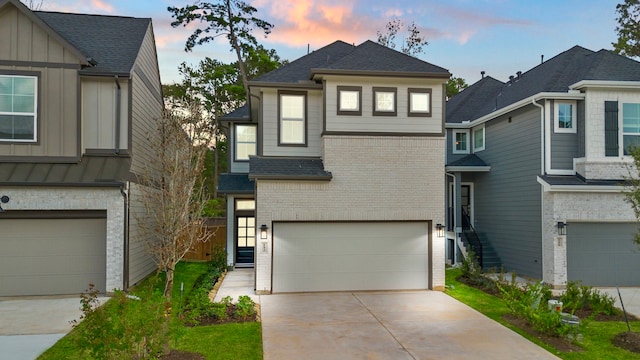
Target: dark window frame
<point x="393" y="90"/>
<point x="339" y="102"/>
<point x="419" y="91"/>
<point x="305" y="120"/>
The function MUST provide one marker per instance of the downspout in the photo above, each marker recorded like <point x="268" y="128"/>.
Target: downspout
<point x="125" y="271"/>
<point x="118" y="109"/>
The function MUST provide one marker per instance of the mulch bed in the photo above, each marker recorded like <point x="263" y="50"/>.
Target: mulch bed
<point x="182" y="355"/>
<point x="627" y="340"/>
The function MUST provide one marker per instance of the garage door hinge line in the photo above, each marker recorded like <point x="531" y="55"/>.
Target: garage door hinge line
<point x="383" y="325"/>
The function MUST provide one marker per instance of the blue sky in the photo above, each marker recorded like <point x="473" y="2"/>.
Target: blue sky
<point x="465" y="36"/>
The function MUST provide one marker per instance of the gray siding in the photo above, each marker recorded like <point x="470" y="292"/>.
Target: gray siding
<point x="564" y="148"/>
<point x="146" y="103"/>
<point x="451" y="157"/>
<point x="141" y="263"/>
<point x="507" y="199"/>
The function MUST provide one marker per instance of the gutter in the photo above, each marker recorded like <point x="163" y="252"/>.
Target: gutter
<point x="580" y="188"/>
<point x="118" y="109"/>
<point x="542" y="154"/>
<point x="125" y="263"/>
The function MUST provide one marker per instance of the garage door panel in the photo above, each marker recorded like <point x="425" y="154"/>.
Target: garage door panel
<point x="603" y="254"/>
<point x="52" y="256"/>
<point x="350" y="256"/>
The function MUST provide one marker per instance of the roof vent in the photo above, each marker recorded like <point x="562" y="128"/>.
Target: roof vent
<point x="92" y="61"/>
<point x="511" y="79"/>
<point x="518" y="75"/>
<point x="482" y="73"/>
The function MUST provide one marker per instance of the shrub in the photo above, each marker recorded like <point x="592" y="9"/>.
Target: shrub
<point x="124" y="327"/>
<point x="245" y="307"/>
<point x="578" y="296"/>
<point x="197" y="304"/>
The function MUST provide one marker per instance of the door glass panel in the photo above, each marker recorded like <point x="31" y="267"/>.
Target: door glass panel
<point x="251" y="241"/>
<point x="251" y="222"/>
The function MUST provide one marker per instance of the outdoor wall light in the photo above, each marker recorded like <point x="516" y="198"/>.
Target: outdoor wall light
<point x="263" y="231"/>
<point x="562" y="228"/>
<point x="440" y="229"/>
<point x="3" y="200"/>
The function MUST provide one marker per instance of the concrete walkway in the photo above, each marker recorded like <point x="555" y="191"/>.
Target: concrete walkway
<point x="236" y="283"/>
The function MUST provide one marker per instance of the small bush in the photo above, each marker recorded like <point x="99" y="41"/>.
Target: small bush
<point x="245" y="307"/>
<point x="578" y="296"/>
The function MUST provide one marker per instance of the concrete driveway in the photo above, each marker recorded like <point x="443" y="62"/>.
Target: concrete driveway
<point x="385" y="325"/>
<point x="29" y="326"/>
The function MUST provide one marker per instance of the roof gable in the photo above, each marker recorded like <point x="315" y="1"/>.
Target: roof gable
<point x="339" y="57"/>
<point x="112" y="42"/>
<point x="46" y="28"/>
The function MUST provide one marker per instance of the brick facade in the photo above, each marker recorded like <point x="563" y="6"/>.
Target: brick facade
<point x="375" y="178"/>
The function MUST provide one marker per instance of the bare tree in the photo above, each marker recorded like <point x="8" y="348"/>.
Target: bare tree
<point x="34" y="5"/>
<point x="412" y="45"/>
<point x="172" y="190"/>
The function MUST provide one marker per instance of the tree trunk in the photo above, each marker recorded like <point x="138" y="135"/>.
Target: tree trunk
<point x="236" y="47"/>
<point x="168" y="283"/>
<point x="215" y="165"/>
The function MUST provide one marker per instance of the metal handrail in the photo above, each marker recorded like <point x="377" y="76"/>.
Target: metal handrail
<point x="471" y="236"/>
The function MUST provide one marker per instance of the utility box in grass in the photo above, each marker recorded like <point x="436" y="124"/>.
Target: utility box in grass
<point x="555" y="305"/>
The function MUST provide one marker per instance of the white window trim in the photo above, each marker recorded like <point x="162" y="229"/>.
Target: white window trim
<point x="34" y="114"/>
<point x="484" y="138"/>
<point x="235" y="142"/>
<point x="574" y="117"/>
<point x="453" y="142"/>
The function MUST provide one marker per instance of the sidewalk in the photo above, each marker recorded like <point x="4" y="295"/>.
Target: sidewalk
<point x="236" y="283"/>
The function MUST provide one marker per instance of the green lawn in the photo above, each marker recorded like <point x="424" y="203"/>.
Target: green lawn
<point x="227" y="341"/>
<point x="597" y="335"/>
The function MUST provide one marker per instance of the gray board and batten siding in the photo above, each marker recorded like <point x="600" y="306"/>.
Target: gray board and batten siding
<point x="564" y="146"/>
<point x="507" y="198"/>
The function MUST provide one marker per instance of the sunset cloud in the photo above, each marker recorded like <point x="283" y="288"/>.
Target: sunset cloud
<point x="80" y="6"/>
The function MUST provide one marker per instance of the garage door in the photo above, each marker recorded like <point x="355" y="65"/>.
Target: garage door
<point x="350" y="256"/>
<point x="603" y="254"/>
<point x="51" y="256"/>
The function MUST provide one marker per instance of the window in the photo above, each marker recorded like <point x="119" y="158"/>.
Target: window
<point x="630" y="126"/>
<point x="460" y="141"/>
<point x="18" y="108"/>
<point x="349" y="100"/>
<point x="292" y="118"/>
<point x="478" y="138"/>
<point x="245" y="204"/>
<point x="245" y="142"/>
<point x="565" y="115"/>
<point x="384" y="101"/>
<point x="419" y="102"/>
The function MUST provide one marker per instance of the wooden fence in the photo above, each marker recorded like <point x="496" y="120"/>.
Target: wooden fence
<point x="202" y="251"/>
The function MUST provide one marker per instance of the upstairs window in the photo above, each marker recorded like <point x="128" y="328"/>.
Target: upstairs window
<point x="18" y="108"/>
<point x="349" y="100"/>
<point x="419" y="102"/>
<point x="245" y="142"/>
<point x="293" y="113"/>
<point x="630" y="126"/>
<point x="565" y="115"/>
<point x="478" y="138"/>
<point x="384" y="101"/>
<point x="460" y="141"/>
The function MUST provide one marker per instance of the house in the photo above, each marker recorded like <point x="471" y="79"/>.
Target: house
<point x="79" y="95"/>
<point x="535" y="167"/>
<point x="336" y="177"/>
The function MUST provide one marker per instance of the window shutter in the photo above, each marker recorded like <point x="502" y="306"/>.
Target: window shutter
<point x="611" y="128"/>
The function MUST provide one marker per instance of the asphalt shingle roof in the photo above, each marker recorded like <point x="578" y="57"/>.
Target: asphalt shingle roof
<point x="340" y="56"/>
<point x="553" y="75"/>
<point x="235" y="184"/>
<point x="469" y="160"/>
<point x="287" y="168"/>
<point x="576" y="180"/>
<point x="112" y="41"/>
<point x="239" y="114"/>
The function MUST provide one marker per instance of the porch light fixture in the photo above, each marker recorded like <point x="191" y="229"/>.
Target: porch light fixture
<point x="562" y="228"/>
<point x="440" y="229"/>
<point x="3" y="200"/>
<point x="263" y="231"/>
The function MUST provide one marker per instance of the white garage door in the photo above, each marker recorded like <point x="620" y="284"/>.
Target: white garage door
<point x="51" y="256"/>
<point x="350" y="256"/>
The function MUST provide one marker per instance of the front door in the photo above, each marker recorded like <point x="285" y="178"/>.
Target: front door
<point x="245" y="240"/>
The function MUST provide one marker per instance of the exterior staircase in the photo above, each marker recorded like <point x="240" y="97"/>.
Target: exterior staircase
<point x="479" y="243"/>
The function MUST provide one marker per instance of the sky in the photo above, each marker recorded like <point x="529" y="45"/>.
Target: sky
<point x="466" y="37"/>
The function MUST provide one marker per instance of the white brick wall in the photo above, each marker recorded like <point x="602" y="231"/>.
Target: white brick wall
<point x="374" y="179"/>
<point x="574" y="207"/>
<point x="109" y="199"/>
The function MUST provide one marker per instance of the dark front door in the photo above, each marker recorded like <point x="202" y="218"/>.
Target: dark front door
<point x="245" y="240"/>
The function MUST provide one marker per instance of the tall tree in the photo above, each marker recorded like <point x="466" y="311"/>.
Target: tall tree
<point x="628" y="28"/>
<point x="172" y="193"/>
<point x="632" y="189"/>
<point x="413" y="44"/>
<point x="230" y="18"/>
<point x="455" y="85"/>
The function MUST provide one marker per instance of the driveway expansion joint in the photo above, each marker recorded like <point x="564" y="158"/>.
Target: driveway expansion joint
<point x="383" y="325"/>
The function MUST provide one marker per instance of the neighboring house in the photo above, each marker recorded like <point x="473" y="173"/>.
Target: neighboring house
<point x="537" y="164"/>
<point x="337" y="173"/>
<point x="79" y="95"/>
